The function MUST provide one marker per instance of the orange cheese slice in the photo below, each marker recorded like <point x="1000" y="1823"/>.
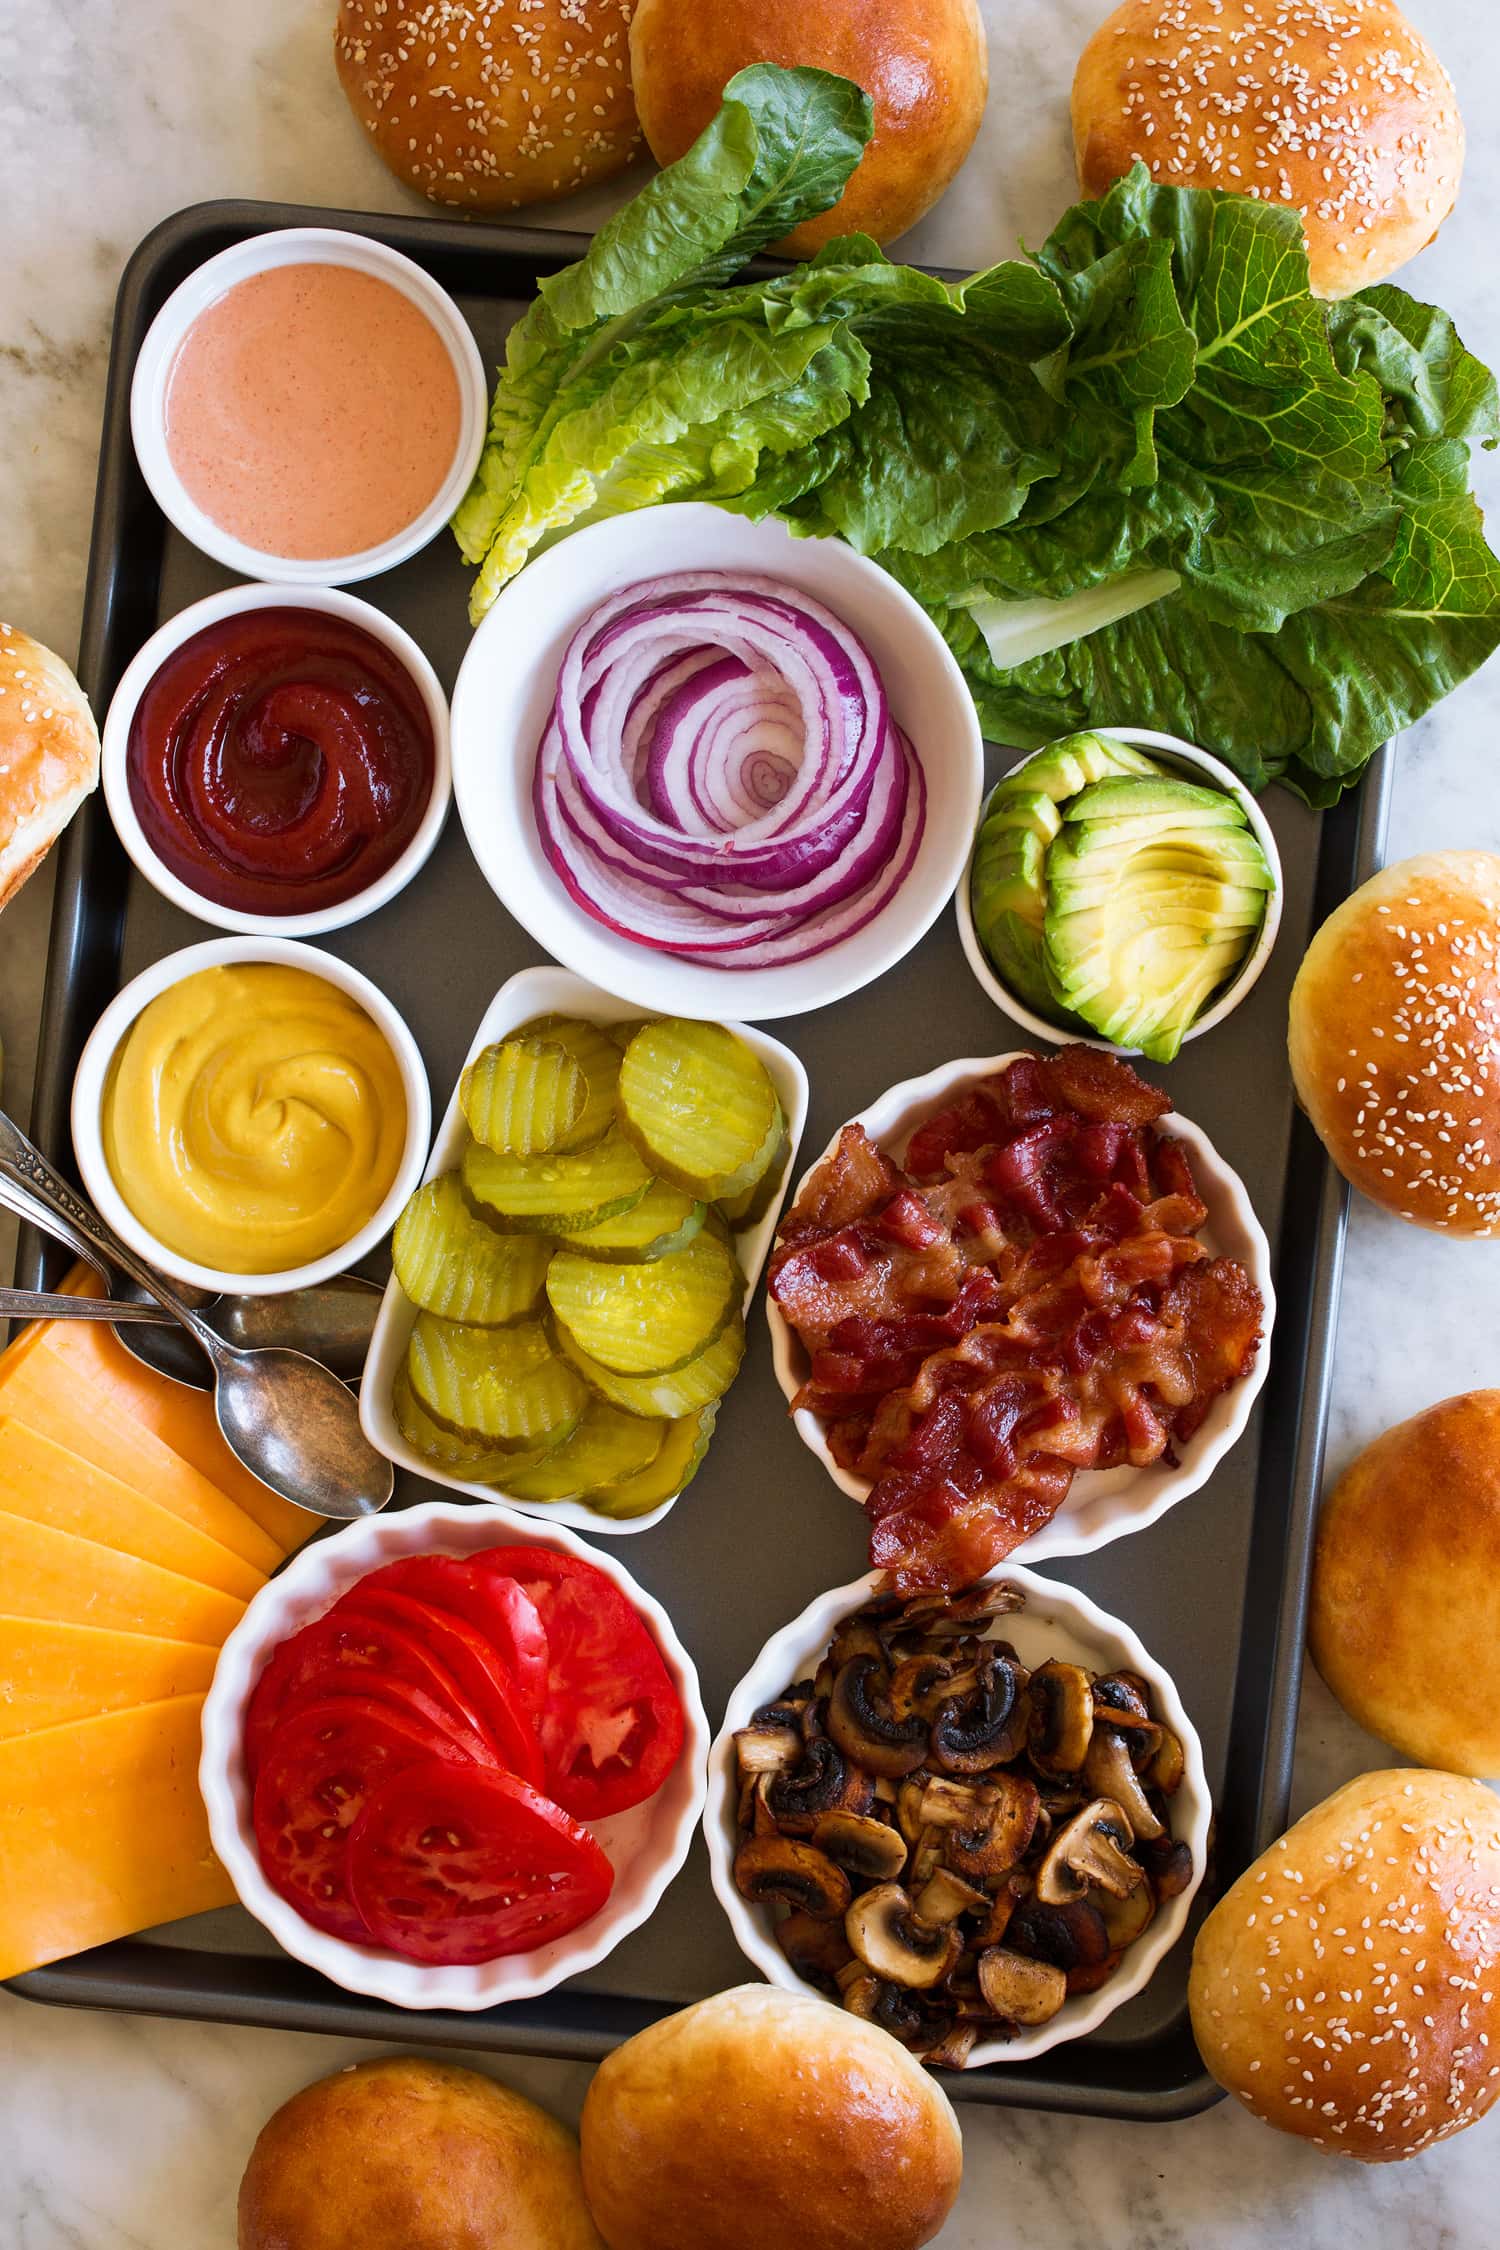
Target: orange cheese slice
<point x="50" y="1485"/>
<point x="66" y="1580"/>
<point x="102" y="1832"/>
<point x="52" y="1673"/>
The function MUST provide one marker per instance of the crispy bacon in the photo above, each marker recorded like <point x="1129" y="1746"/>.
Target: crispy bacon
<point x="1026" y="1299"/>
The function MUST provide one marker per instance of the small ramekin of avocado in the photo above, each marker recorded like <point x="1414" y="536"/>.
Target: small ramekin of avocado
<point x="1123" y="887"/>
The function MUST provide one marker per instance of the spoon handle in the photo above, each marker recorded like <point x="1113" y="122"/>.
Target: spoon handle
<point x="47" y="1304"/>
<point x="26" y="1167"/>
<point x="26" y="1206"/>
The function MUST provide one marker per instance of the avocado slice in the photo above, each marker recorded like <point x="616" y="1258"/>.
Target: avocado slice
<point x="1128" y="798"/>
<point x="1030" y="810"/>
<point x="1065" y="768"/>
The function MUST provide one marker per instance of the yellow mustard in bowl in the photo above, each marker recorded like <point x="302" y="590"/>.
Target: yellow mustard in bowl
<point x="254" y="1117"/>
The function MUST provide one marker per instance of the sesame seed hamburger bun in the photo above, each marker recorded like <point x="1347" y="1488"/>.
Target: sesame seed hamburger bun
<point x="1402" y="1622"/>
<point x="1337" y="109"/>
<point x="49" y="754"/>
<point x="923" y="63"/>
<point x="491" y="104"/>
<point x="1395" y="1040"/>
<point x="1347" y="1988"/>
<point x="767" y="2120"/>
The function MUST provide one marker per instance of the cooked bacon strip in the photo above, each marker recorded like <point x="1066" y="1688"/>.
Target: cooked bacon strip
<point x="851" y="1182"/>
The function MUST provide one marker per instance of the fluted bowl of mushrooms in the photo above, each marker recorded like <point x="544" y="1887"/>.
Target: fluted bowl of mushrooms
<point x="976" y="1819"/>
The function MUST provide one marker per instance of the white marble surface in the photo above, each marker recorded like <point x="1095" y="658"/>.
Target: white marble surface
<point x="125" y="2135"/>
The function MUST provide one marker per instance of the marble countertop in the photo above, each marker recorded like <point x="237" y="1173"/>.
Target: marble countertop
<point x="119" y="2134"/>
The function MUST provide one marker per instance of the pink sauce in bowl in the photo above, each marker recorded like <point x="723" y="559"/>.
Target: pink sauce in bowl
<point x="313" y="412"/>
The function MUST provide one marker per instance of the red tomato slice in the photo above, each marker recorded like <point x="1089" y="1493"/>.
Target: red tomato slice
<point x="464" y="1653"/>
<point x="342" y="1654"/>
<point x="450" y="1864"/>
<point x="320" y="1766"/>
<point x="613" y="1726"/>
<point x="497" y="1608"/>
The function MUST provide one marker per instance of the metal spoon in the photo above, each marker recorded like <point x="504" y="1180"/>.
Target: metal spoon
<point x="288" y="1420"/>
<point x="331" y="1322"/>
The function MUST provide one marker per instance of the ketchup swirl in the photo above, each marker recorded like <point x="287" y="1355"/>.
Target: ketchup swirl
<point x="280" y="761"/>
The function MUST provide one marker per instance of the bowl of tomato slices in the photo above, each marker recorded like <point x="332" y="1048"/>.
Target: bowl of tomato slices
<point x="451" y="1758"/>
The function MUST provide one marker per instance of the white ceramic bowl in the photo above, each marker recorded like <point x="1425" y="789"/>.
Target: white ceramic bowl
<point x="235" y="601"/>
<point x="99" y="1053"/>
<point x="1103" y="1504"/>
<point x="300" y="246"/>
<point x="1056" y="1621"/>
<point x="542" y="992"/>
<point x="1172" y="751"/>
<point x="646" y="1846"/>
<point x="504" y="695"/>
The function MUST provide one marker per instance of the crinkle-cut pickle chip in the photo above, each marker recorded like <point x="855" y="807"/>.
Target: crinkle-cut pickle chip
<point x="449" y="1262"/>
<point x="523" y="1096"/>
<point x="596" y="1052"/>
<point x="663" y="1221"/>
<point x="753" y="1202"/>
<point x="606" y="1447"/>
<point x="699" y="1106"/>
<point x="702" y="1382"/>
<point x="677" y="1462"/>
<point x="560" y="1193"/>
<point x="646" y="1319"/>
<point x="471" y="1460"/>
<point x="506" y="1386"/>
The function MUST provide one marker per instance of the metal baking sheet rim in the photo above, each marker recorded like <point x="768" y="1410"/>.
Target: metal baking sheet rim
<point x="1156" y="2080"/>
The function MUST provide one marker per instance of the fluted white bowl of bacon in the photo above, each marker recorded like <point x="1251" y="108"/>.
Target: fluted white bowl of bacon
<point x="1018" y="1302"/>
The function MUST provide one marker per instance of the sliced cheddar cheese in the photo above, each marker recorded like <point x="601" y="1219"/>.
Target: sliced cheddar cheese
<point x="102" y="1832"/>
<point x="44" y="1481"/>
<point x="52" y="1395"/>
<point x="51" y="1673"/>
<point x="56" y="1576"/>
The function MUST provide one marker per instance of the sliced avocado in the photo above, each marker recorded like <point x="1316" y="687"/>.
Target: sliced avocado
<point x="1128" y="797"/>
<point x="1031" y="810"/>
<point x="1197" y="901"/>
<point x="1009" y="864"/>
<point x="1155" y="1025"/>
<point x="1064" y="768"/>
<point x="1120" y="836"/>
<point x="1231" y="855"/>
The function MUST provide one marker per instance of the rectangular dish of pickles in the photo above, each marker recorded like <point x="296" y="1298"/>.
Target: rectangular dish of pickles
<point x="567" y="1309"/>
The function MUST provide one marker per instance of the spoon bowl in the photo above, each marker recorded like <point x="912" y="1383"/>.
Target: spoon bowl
<point x="331" y="1322"/>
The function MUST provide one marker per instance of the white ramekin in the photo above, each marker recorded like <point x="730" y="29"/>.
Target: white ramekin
<point x="531" y="993"/>
<point x="300" y="246"/>
<point x="1172" y="751"/>
<point x="93" y="1072"/>
<point x="235" y="601"/>
<point x="646" y="1845"/>
<point x="1056" y="1621"/>
<point x="1103" y="1504"/>
<point x="504" y="694"/>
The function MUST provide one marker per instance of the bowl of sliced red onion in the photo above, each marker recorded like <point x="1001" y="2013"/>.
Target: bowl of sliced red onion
<point x="715" y="768"/>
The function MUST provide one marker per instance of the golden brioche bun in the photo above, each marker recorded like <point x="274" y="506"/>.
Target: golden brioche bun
<point x="49" y="754"/>
<point x="1338" y="108"/>
<point x="923" y="63"/>
<point x="404" y="2154"/>
<point x="1347" y="1989"/>
<point x="490" y="104"/>
<point x="1403" y="1621"/>
<point x="763" y="2118"/>
<point x="1395" y="1040"/>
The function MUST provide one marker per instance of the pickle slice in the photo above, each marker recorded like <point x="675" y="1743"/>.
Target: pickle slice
<point x="755" y="1201"/>
<point x="504" y="1385"/>
<point x="606" y="1447"/>
<point x="559" y="1193"/>
<point x="665" y="1397"/>
<point x="650" y="1318"/>
<point x="451" y="1263"/>
<point x="700" y="1107"/>
<point x="663" y="1221"/>
<point x="597" y="1055"/>
<point x="678" y="1460"/>
<point x="523" y="1096"/>
<point x="448" y="1454"/>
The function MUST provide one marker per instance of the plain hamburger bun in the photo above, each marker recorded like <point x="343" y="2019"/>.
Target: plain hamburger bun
<point x="767" y="2120"/>
<point x="1347" y="1989"/>
<point x="404" y="2154"/>
<point x="490" y="104"/>
<point x="1404" y="1625"/>
<point x="1337" y="108"/>
<point x="49" y="754"/>
<point x="923" y="63"/>
<point x="1395" y="1040"/>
